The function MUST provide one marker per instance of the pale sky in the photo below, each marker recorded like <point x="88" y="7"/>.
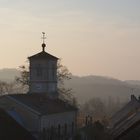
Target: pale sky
<point x="93" y="37"/>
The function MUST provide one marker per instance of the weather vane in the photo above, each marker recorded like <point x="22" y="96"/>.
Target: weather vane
<point x="43" y="45"/>
<point x="43" y="37"/>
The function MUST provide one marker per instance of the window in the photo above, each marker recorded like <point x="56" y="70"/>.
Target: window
<point x="53" y="74"/>
<point x="39" y="71"/>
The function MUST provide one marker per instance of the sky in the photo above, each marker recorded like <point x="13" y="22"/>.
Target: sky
<point x="92" y="37"/>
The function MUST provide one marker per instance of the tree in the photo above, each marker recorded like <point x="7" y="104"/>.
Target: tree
<point x="62" y="75"/>
<point x="95" y="107"/>
<point x="23" y="79"/>
<point x="6" y="88"/>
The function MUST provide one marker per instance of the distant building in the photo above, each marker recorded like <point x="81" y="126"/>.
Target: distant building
<point x="41" y="109"/>
<point x="125" y="124"/>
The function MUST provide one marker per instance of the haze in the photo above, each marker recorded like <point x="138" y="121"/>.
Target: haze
<point x="93" y="37"/>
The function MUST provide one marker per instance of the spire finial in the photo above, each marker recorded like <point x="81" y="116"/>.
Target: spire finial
<point x="43" y="44"/>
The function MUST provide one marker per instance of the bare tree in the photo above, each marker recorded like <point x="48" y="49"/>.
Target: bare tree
<point x="94" y="107"/>
<point x="23" y="79"/>
<point x="6" y="88"/>
<point x="63" y="74"/>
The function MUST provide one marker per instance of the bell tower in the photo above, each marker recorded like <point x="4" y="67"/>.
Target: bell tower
<point x="43" y="73"/>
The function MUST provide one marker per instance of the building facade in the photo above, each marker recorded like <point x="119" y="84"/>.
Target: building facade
<point x="41" y="108"/>
<point x="43" y="73"/>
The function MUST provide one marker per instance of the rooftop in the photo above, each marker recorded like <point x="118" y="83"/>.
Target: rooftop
<point x="125" y="111"/>
<point x="42" y="104"/>
<point x="127" y="117"/>
<point x="133" y="119"/>
<point x="43" y="55"/>
<point x="10" y="129"/>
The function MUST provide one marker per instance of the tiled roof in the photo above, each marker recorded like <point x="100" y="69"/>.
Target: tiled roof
<point x="125" y="111"/>
<point x="126" y="117"/>
<point x="126" y="124"/>
<point x="42" y="104"/>
<point x="11" y="130"/>
<point x="43" y="55"/>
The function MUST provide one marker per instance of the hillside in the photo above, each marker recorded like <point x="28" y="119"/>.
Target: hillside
<point x="84" y="88"/>
<point x="8" y="74"/>
<point x="133" y="82"/>
<point x="87" y="87"/>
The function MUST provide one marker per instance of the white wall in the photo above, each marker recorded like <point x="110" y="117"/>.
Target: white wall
<point x="33" y="121"/>
<point x="47" y="81"/>
<point x="59" y="118"/>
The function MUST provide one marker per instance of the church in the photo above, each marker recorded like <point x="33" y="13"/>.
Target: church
<point x="41" y="108"/>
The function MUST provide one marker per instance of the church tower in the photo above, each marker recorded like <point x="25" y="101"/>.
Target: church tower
<point x="43" y="73"/>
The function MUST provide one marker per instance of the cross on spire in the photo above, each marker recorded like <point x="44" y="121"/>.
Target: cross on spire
<point x="43" y="44"/>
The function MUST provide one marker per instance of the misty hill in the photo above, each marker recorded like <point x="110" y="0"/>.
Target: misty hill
<point x="8" y="74"/>
<point x="133" y="82"/>
<point x="87" y="87"/>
